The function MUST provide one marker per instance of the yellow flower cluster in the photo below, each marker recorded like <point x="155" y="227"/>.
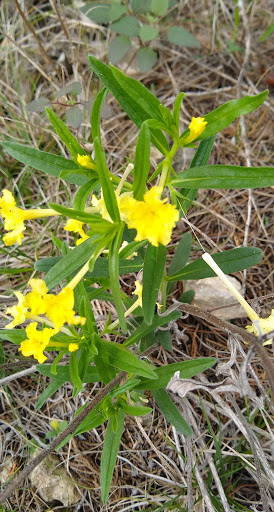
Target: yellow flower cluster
<point x="153" y="218"/>
<point x="58" y="310"/>
<point x="14" y="217"/>
<point x="196" y="128"/>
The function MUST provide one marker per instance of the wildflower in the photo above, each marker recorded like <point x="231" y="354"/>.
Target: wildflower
<point x="14" y="217"/>
<point x="196" y="128"/>
<point x="260" y="326"/>
<point x="100" y="205"/>
<point x="265" y="326"/>
<point x="18" y="312"/>
<point x="73" y="347"/>
<point x="54" y="424"/>
<point x="36" y="342"/>
<point x="85" y="161"/>
<point x="35" y="300"/>
<point x="153" y="218"/>
<point x="59" y="308"/>
<point x="77" y="227"/>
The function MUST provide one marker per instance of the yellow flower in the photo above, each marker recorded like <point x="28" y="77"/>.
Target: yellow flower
<point x="77" y="227"/>
<point x="35" y="300"/>
<point x="196" y="128"/>
<point x="54" y="424"/>
<point x="153" y="218"/>
<point x="18" y="312"/>
<point x="36" y="342"/>
<point x="14" y="217"/>
<point x="59" y="308"/>
<point x="266" y="326"/>
<point x="138" y="291"/>
<point x="102" y="209"/>
<point x="73" y="347"/>
<point x="86" y="161"/>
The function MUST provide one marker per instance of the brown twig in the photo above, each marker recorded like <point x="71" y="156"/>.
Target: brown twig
<point x="20" y="477"/>
<point x="65" y="30"/>
<point x="246" y="336"/>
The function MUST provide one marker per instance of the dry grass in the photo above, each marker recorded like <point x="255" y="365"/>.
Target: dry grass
<point x="228" y="463"/>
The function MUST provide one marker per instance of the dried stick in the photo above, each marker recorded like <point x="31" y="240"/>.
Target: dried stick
<point x="20" y="477"/>
<point x="246" y="336"/>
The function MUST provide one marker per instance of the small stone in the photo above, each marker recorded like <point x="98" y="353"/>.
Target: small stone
<point x="53" y="482"/>
<point x="211" y="293"/>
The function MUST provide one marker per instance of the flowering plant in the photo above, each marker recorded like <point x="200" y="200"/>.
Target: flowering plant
<point x="123" y="224"/>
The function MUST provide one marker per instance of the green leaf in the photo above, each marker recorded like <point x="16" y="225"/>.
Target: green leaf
<point x="74" y="88"/>
<point x="117" y="10"/>
<point x="145" y="329"/>
<point x="225" y="114"/>
<point x="82" y="195"/>
<point x="225" y="177"/>
<point x="98" y="12"/>
<point x="187" y="370"/>
<point x="230" y="261"/>
<point x="45" y="162"/>
<point x="201" y="157"/>
<point x="14" y="335"/>
<point x="154" y="266"/>
<point x="105" y="369"/>
<point x="171" y="412"/>
<point x="74" y="373"/>
<point x="97" y="224"/>
<point x="123" y="359"/>
<point x="181" y="37"/>
<point x="65" y="135"/>
<point x="113" y="260"/>
<point x="74" y="116"/>
<point x="147" y="33"/>
<point x="127" y="26"/>
<point x="146" y="59"/>
<point x="55" y="384"/>
<point x="180" y="257"/>
<point x="135" y="410"/>
<point x="159" y="7"/>
<point x="187" y="297"/>
<point x="164" y="338"/>
<point x="142" y="162"/>
<point x="140" y="6"/>
<point x="268" y="32"/>
<point x="177" y="110"/>
<point x="38" y="105"/>
<point x="134" y="98"/>
<point x="71" y="262"/>
<point x="110" y="451"/>
<point x="118" y="48"/>
<point x="101" y="165"/>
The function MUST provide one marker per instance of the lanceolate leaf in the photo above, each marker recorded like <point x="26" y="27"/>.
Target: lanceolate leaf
<point x="122" y="358"/>
<point x="71" y="262"/>
<point x="225" y="176"/>
<point x="114" y="278"/>
<point x="230" y="261"/>
<point x="65" y="135"/>
<point x="225" y="114"/>
<point x="187" y="370"/>
<point x="201" y="157"/>
<point x="45" y="162"/>
<point x="142" y="162"/>
<point x="154" y="266"/>
<point x="109" y="455"/>
<point x="171" y="412"/>
<point x="180" y="257"/>
<point x="134" y="98"/>
<point x="145" y="329"/>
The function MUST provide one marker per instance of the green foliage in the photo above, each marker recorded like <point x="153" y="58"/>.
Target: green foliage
<point x="125" y="209"/>
<point x="139" y="19"/>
